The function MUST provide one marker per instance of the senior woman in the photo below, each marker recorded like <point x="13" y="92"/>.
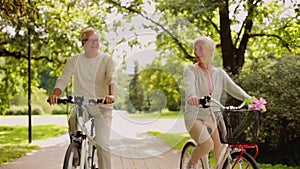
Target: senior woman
<point x="202" y="79"/>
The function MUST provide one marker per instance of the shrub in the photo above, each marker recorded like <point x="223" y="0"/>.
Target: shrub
<point x="278" y="82"/>
<point x="59" y="111"/>
<point x="37" y="111"/>
<point x="16" y="110"/>
<point x="23" y="110"/>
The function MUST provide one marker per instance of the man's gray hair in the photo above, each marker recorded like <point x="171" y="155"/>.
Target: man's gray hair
<point x="89" y="29"/>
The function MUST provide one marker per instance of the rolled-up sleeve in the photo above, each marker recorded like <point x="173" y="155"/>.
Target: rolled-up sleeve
<point x="111" y="72"/>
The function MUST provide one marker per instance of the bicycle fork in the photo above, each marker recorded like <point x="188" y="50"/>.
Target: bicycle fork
<point x="90" y="158"/>
<point x="86" y="159"/>
<point x="83" y="141"/>
<point x="86" y="155"/>
<point x="83" y="154"/>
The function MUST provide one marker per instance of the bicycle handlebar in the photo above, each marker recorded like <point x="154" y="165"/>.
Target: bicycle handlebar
<point x="207" y="99"/>
<point x="78" y="100"/>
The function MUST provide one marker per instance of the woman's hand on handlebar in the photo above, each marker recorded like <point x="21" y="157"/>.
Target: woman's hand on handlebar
<point x="193" y="100"/>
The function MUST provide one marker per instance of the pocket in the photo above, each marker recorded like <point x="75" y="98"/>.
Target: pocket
<point x="106" y="112"/>
<point x="93" y="109"/>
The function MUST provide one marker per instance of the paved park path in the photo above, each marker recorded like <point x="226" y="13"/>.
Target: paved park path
<point x="131" y="146"/>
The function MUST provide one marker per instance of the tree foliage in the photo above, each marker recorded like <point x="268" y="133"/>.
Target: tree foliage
<point x="136" y="94"/>
<point x="161" y="88"/>
<point x="54" y="28"/>
<point x="234" y="25"/>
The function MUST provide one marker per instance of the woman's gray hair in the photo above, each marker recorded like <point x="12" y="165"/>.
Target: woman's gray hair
<point x="88" y="29"/>
<point x="208" y="41"/>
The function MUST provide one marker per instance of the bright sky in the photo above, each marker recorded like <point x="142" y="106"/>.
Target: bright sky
<point x="144" y="55"/>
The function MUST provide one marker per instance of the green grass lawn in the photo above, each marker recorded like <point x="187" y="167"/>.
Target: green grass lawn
<point x="177" y="141"/>
<point x="14" y="139"/>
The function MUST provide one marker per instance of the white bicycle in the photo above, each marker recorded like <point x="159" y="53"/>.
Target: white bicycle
<point x="81" y="153"/>
<point x="239" y="133"/>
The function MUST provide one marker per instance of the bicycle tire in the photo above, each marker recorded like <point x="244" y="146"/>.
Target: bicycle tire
<point x="72" y="156"/>
<point x="246" y="160"/>
<point x="94" y="160"/>
<point x="186" y="154"/>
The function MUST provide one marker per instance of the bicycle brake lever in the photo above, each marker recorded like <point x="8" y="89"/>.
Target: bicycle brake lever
<point x="204" y="100"/>
<point x="100" y="101"/>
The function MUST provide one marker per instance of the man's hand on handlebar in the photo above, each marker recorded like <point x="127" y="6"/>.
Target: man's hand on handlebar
<point x="109" y="99"/>
<point x="52" y="99"/>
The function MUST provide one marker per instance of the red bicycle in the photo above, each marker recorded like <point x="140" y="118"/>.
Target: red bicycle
<point x="238" y="131"/>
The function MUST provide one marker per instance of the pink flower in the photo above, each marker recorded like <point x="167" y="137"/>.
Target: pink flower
<point x="258" y="104"/>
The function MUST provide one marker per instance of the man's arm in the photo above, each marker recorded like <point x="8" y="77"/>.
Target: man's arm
<point x="112" y="91"/>
<point x="112" y="80"/>
<point x="63" y="80"/>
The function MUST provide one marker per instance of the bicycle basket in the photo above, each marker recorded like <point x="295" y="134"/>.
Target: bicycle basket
<point x="238" y="126"/>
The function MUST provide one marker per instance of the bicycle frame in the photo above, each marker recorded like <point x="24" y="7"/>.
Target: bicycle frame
<point x="242" y="148"/>
<point x="87" y="136"/>
<point x="84" y="136"/>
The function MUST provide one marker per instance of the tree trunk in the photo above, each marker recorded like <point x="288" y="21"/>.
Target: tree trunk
<point x="227" y="47"/>
<point x="240" y="53"/>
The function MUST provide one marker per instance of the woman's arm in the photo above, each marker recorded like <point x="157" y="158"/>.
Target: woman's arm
<point x="232" y="88"/>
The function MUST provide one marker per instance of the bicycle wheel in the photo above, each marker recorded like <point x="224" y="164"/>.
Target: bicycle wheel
<point x="72" y="156"/>
<point x="246" y="161"/>
<point x="186" y="154"/>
